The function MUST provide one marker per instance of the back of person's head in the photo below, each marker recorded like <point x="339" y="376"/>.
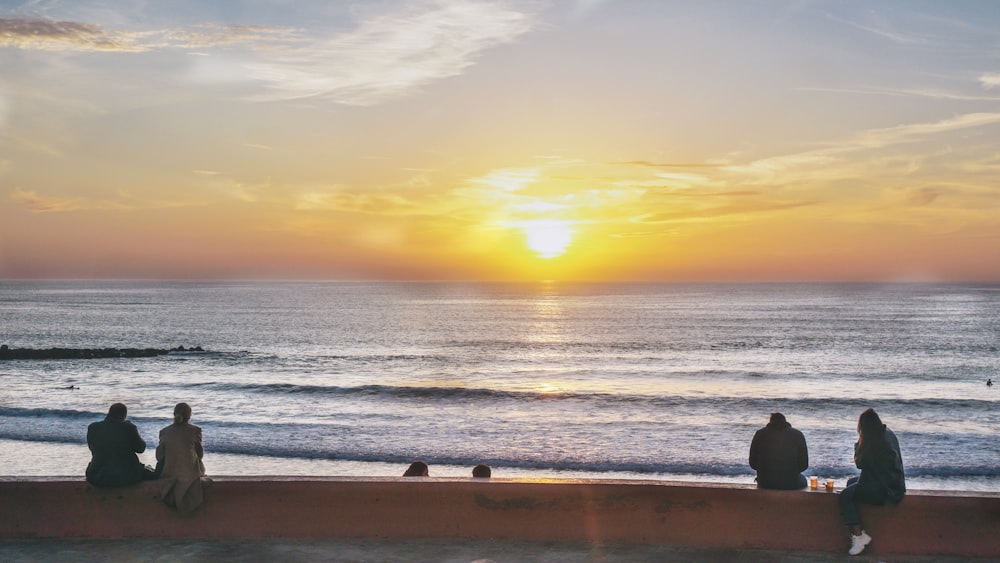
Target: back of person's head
<point x="182" y="413"/>
<point x="118" y="411"/>
<point x="482" y="470"/>
<point x="870" y="425"/>
<point x="777" y="419"/>
<point x="872" y="435"/>
<point x="417" y="469"/>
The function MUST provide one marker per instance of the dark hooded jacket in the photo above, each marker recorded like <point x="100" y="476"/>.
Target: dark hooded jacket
<point x="882" y="466"/>
<point x="779" y="454"/>
<point x="114" y="444"/>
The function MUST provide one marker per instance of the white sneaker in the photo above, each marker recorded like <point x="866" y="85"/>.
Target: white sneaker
<point x="859" y="542"/>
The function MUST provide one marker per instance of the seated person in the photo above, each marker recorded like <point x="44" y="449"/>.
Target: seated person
<point x="482" y="471"/>
<point x="417" y="469"/>
<point x="876" y="453"/>
<point x="114" y="443"/>
<point x="779" y="454"/>
<point x="179" y="455"/>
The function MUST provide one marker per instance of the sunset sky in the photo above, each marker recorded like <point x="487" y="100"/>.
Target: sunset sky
<point x="500" y="140"/>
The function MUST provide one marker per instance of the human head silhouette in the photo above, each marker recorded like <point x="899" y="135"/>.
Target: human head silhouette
<point x="118" y="411"/>
<point x="870" y="425"/>
<point x="182" y="413"/>
<point x="417" y="469"/>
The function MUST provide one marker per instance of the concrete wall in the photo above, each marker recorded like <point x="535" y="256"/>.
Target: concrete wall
<point x="683" y="514"/>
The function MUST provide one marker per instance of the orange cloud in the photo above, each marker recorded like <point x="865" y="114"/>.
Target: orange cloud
<point x="42" y="204"/>
<point x="52" y="35"/>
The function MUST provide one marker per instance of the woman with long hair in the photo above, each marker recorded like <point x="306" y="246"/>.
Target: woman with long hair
<point x="876" y="454"/>
<point x="180" y="453"/>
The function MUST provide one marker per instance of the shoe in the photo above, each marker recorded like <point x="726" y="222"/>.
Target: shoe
<point x="859" y="542"/>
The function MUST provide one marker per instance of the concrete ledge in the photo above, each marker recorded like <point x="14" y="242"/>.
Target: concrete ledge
<point x="681" y="514"/>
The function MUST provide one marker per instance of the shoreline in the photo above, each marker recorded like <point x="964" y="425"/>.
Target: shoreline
<point x="31" y="460"/>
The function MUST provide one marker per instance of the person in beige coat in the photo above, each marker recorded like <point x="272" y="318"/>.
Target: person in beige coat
<point x="179" y="452"/>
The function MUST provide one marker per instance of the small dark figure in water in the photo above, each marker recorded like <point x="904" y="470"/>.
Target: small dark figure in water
<point x="779" y="454"/>
<point x="417" y="469"/>
<point x="114" y="443"/>
<point x="876" y="454"/>
<point x="989" y="382"/>
<point x="482" y="471"/>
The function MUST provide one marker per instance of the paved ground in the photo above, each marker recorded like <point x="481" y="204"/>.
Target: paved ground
<point x="436" y="551"/>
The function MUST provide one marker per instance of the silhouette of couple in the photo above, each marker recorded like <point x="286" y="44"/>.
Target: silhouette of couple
<point x="114" y="443"/>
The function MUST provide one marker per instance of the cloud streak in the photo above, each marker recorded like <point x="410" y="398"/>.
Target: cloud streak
<point x="913" y="93"/>
<point x="56" y="35"/>
<point x="53" y="35"/>
<point x="40" y="203"/>
<point x="32" y="201"/>
<point x="881" y="30"/>
<point x="990" y="80"/>
<point x="386" y="56"/>
<point x="393" y="54"/>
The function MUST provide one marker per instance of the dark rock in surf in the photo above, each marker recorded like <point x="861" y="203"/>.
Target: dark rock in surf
<point x="7" y="353"/>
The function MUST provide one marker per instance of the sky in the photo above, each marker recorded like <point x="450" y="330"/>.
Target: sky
<point x="632" y="140"/>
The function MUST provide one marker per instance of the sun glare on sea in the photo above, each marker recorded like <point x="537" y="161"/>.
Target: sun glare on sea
<point x="548" y="238"/>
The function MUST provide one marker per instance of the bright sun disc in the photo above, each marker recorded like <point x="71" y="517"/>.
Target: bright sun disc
<point x="548" y="238"/>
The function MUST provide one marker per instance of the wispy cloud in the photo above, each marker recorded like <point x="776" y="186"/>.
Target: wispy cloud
<point x="55" y="35"/>
<point x="392" y="54"/>
<point x="743" y="209"/>
<point x="52" y="35"/>
<point x="880" y="29"/>
<point x="650" y="164"/>
<point x="913" y="93"/>
<point x="990" y="80"/>
<point x="387" y="55"/>
<point x="213" y="35"/>
<point x="508" y="179"/>
<point x="357" y="202"/>
<point x="825" y="162"/>
<point x="41" y="204"/>
<point x="882" y="137"/>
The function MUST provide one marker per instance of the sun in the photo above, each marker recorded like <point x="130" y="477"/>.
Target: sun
<point x="548" y="238"/>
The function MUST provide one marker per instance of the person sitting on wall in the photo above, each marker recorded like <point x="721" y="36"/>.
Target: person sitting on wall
<point x="876" y="453"/>
<point x="417" y="469"/>
<point x="114" y="443"/>
<point x="779" y="454"/>
<point x="179" y="456"/>
<point x="482" y="471"/>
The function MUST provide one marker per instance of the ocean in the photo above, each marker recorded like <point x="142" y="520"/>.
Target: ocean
<point x="538" y="380"/>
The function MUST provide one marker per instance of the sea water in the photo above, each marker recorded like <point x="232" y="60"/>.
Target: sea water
<point x="548" y="379"/>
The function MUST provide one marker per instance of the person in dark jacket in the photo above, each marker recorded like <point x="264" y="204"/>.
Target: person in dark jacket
<point x="779" y="454"/>
<point x="876" y="453"/>
<point x="114" y="443"/>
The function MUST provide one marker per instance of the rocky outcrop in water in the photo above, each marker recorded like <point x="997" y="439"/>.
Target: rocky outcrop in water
<point x="7" y="353"/>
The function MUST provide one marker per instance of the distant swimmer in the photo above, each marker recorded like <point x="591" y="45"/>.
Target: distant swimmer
<point x="71" y="387"/>
<point x="989" y="382"/>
